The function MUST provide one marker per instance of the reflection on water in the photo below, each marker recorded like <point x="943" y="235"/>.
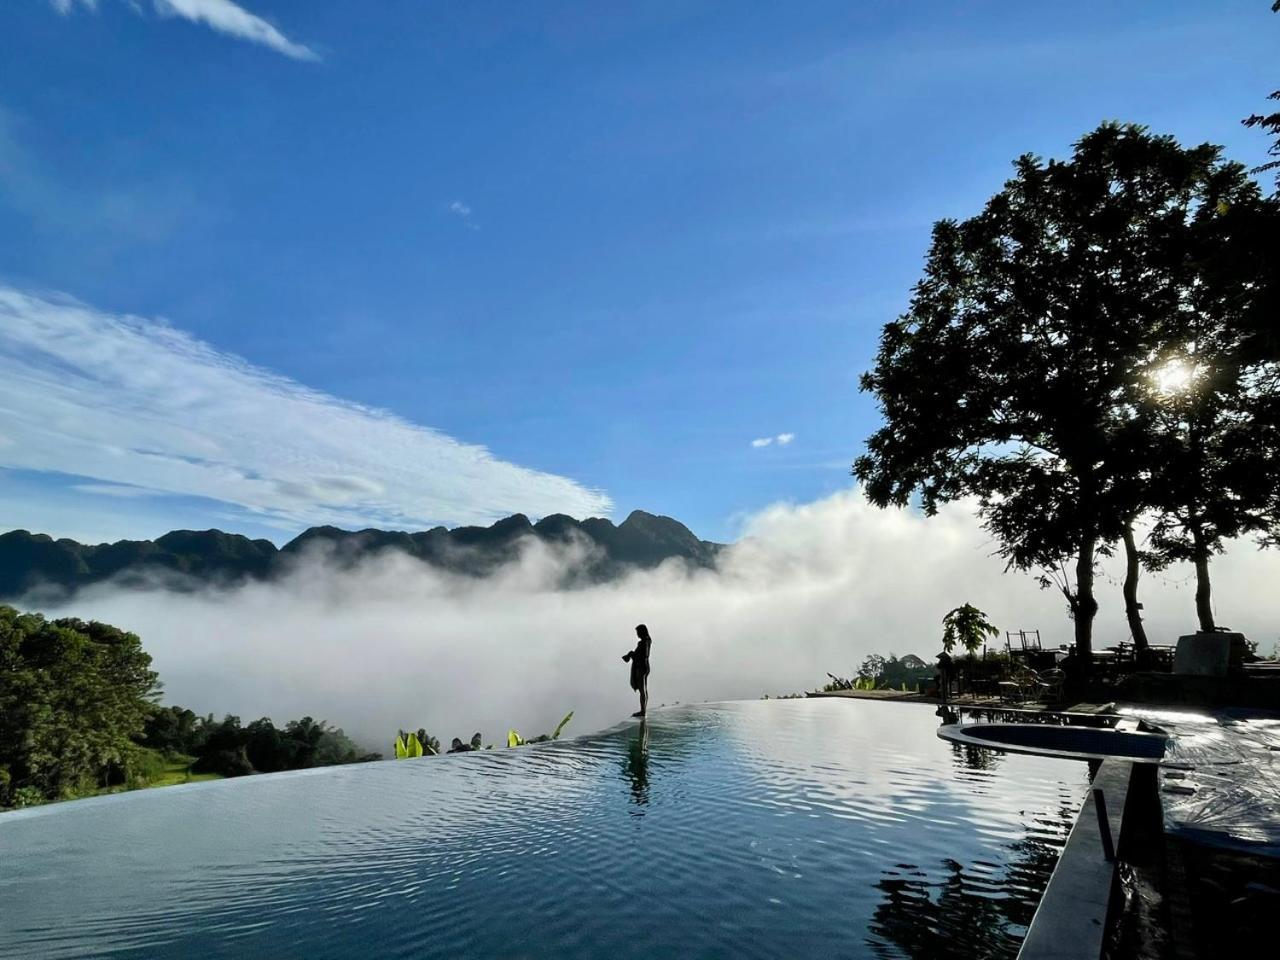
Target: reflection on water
<point x="636" y="766"/>
<point x="757" y="829"/>
<point x="959" y="912"/>
<point x="965" y="755"/>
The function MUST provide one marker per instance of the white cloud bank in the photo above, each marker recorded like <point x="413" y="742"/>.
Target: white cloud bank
<point x="813" y="588"/>
<point x="224" y="16"/>
<point x="139" y="406"/>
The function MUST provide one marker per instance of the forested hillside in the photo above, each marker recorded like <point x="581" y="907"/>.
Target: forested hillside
<point x="185" y="559"/>
<point x="78" y="716"/>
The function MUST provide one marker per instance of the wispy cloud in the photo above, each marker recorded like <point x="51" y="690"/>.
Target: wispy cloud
<point x="223" y="16"/>
<point x="120" y="490"/>
<point x="781" y="440"/>
<point x="135" y="405"/>
<point x="64" y="6"/>
<point x="463" y="212"/>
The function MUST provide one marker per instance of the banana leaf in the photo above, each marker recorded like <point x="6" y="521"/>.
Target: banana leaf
<point x="563" y="723"/>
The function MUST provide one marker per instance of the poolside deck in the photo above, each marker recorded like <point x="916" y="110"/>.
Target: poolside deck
<point x="1220" y="778"/>
<point x="1207" y="878"/>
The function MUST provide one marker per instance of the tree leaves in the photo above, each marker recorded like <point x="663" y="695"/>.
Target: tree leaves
<point x="1021" y="373"/>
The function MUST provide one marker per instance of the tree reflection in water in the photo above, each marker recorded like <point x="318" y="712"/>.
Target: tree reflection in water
<point x="967" y="756"/>
<point x="971" y="912"/>
<point x="978" y="911"/>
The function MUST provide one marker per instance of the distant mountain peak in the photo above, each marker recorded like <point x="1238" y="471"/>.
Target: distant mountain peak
<point x="193" y="558"/>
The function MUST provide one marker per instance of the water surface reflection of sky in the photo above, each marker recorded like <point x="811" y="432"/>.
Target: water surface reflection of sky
<point x="766" y="828"/>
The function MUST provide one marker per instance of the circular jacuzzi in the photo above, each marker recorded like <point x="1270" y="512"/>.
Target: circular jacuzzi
<point x="1080" y="743"/>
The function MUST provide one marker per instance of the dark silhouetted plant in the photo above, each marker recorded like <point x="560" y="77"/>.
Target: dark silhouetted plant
<point x="969" y="627"/>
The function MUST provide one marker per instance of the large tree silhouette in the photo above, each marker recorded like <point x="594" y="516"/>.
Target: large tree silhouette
<point x="1211" y="403"/>
<point x="1270" y="122"/>
<point x="1022" y="372"/>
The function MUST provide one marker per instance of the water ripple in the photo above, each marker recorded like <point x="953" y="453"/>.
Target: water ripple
<point x="741" y="829"/>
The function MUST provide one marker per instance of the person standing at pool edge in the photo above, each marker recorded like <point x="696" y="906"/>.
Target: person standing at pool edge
<point x="639" y="658"/>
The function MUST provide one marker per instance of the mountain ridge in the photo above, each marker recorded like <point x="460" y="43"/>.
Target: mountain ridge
<point x="38" y="563"/>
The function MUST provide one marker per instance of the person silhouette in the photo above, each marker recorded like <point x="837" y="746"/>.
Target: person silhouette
<point x="639" y="658"/>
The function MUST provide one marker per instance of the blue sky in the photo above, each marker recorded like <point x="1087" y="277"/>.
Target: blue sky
<point x="432" y="262"/>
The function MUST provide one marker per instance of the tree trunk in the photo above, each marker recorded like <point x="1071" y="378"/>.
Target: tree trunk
<point x="1132" y="608"/>
<point x="1204" y="595"/>
<point x="1086" y="607"/>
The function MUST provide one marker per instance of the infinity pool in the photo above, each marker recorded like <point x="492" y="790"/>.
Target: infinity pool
<point x="749" y="829"/>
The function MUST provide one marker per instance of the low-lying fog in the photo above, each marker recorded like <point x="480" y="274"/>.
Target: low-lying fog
<point x="810" y="588"/>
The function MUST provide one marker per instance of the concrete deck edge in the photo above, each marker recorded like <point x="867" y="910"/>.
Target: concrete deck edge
<point x="1071" y="921"/>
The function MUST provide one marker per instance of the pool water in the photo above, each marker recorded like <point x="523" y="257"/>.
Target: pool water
<point x="749" y="829"/>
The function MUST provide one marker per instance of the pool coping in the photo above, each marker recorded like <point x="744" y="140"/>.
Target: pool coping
<point x="1081" y="898"/>
<point x="959" y="733"/>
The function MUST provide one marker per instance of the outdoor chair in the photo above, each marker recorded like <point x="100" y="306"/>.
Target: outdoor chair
<point x="1024" y="684"/>
<point x="1053" y="681"/>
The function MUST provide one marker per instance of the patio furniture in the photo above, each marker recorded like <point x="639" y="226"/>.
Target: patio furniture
<point x="1026" y="684"/>
<point x="1054" y="681"/>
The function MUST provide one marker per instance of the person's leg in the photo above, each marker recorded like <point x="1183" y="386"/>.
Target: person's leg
<point x="644" y="696"/>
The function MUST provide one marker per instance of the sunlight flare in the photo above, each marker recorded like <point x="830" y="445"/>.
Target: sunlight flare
<point x="1174" y="377"/>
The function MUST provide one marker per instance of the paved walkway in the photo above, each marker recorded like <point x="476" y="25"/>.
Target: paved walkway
<point x="1220" y="778"/>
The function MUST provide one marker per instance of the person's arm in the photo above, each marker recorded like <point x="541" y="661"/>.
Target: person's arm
<point x="626" y="657"/>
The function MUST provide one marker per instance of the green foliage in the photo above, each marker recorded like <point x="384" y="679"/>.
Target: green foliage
<point x="73" y="696"/>
<point x="967" y="626"/>
<point x="148" y="766"/>
<point x="230" y="750"/>
<point x="158" y="769"/>
<point x="1270" y="123"/>
<point x="78" y="716"/>
<point x="409" y="745"/>
<point x="884" y="673"/>
<point x="513" y="740"/>
<point x="561" y="725"/>
<point x="171" y="730"/>
<point x="872" y="667"/>
<point x="27" y="797"/>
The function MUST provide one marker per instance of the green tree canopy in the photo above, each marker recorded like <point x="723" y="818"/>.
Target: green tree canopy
<point x="1270" y="122"/>
<point x="969" y="627"/>
<point x="1018" y="372"/>
<point x="73" y="696"/>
